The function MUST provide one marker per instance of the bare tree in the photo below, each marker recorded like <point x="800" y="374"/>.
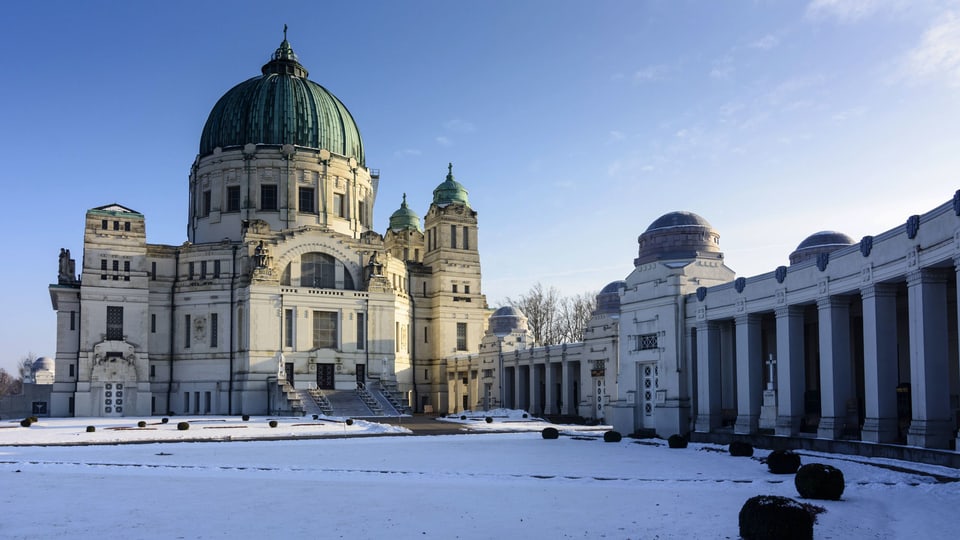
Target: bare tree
<point x="575" y="314"/>
<point x="554" y="319"/>
<point x="540" y="306"/>
<point x="8" y="384"/>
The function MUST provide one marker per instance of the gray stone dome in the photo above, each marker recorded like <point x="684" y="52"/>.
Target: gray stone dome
<point x="678" y="236"/>
<point x="608" y="300"/>
<point x="43" y="363"/>
<point x="507" y="320"/>
<point x="820" y="242"/>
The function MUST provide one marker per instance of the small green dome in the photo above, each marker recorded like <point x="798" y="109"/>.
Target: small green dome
<point x="404" y="218"/>
<point x="450" y="191"/>
<point x="282" y="107"/>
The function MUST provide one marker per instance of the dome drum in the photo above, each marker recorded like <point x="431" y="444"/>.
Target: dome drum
<point x="819" y="242"/>
<point x="678" y="236"/>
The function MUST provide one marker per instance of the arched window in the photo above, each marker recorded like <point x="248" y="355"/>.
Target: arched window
<point x="322" y="271"/>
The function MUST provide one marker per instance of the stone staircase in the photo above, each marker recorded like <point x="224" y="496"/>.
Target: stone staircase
<point x="371" y="402"/>
<point x="314" y="402"/>
<point x="293" y="400"/>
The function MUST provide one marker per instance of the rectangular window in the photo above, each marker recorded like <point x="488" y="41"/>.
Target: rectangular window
<point x="73" y="320"/>
<point x="216" y="269"/>
<point x="233" y="198"/>
<point x="186" y="331"/>
<point x="466" y="289"/>
<point x="153" y="371"/>
<point x="190" y="270"/>
<point x="196" y="402"/>
<point x="153" y="270"/>
<point x="126" y="270"/>
<point x="307" y="204"/>
<point x="325" y="329"/>
<point x="205" y="211"/>
<point x="288" y="328"/>
<point x="103" y="224"/>
<point x="153" y="323"/>
<point x="115" y="323"/>
<point x="454" y="288"/>
<point x="461" y="336"/>
<point x="214" y="330"/>
<point x="643" y="342"/>
<point x="362" y="212"/>
<point x="186" y="402"/>
<point x="466" y="237"/>
<point x="206" y="402"/>
<point x="116" y="265"/>
<point x="203" y="269"/>
<point x="268" y="197"/>
<point x="71" y="371"/>
<point x="116" y="225"/>
<point x="339" y="208"/>
<point x="126" y="226"/>
<point x="361" y="332"/>
<point x="453" y="237"/>
<point x="70" y="405"/>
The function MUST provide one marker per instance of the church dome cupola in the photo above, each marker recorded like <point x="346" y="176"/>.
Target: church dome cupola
<point x="819" y="242"/>
<point x="282" y="106"/>
<point x="404" y="218"/>
<point x="450" y="191"/>
<point x="678" y="236"/>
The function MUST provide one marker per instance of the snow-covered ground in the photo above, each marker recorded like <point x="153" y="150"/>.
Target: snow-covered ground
<point x="491" y="485"/>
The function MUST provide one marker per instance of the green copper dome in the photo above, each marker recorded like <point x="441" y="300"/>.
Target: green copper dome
<point x="281" y="107"/>
<point x="404" y="218"/>
<point x="450" y="191"/>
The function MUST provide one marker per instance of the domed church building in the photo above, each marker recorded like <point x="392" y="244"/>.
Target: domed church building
<point x="283" y="298"/>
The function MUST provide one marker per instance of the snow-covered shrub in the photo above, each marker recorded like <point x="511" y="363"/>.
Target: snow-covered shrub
<point x="612" y="436"/>
<point x="34" y="419"/>
<point x="550" y="433"/>
<point x="26" y="422"/>
<point x="141" y="424"/>
<point x="349" y="421"/>
<point x="525" y="415"/>
<point x="272" y="423"/>
<point x="463" y="417"/>
<point x="677" y="441"/>
<point x="316" y="417"/>
<point x="245" y="417"/>
<point x="771" y="516"/>
<point x="488" y="419"/>
<point x="183" y="426"/>
<point x="783" y="462"/>
<point x="164" y="420"/>
<point x="91" y="429"/>
<point x="819" y="481"/>
<point x="741" y="449"/>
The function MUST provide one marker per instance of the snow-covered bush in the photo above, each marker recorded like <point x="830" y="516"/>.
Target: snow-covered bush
<point x="783" y="462"/>
<point x="488" y="419"/>
<point x="141" y="424"/>
<point x="677" y="441"/>
<point x="612" y="436"/>
<point x="164" y="420"/>
<point x="349" y="421"/>
<point x="550" y="433"/>
<point x="245" y="417"/>
<point x="91" y="429"/>
<point x="26" y="422"/>
<point x="183" y="426"/>
<point x="771" y="516"/>
<point x="819" y="481"/>
<point x="272" y="423"/>
<point x="741" y="449"/>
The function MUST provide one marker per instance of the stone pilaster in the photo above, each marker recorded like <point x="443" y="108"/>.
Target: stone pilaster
<point x="931" y="425"/>
<point x="749" y="374"/>
<point x="880" y="362"/>
<point x="708" y="377"/>
<point x="790" y="372"/>
<point x="835" y="365"/>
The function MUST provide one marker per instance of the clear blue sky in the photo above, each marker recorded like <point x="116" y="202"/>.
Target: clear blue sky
<point x="573" y="125"/>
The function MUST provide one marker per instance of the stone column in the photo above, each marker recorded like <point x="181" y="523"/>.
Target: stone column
<point x="835" y="365"/>
<point x="550" y="404"/>
<point x="880" y="370"/>
<point x="790" y="372"/>
<point x="931" y="426"/>
<point x="534" y="386"/>
<point x="749" y="374"/>
<point x="708" y="377"/>
<point x="565" y="385"/>
<point x="515" y="399"/>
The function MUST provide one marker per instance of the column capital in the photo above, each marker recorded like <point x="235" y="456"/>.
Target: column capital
<point x="830" y="302"/>
<point x="747" y="318"/>
<point x="878" y="290"/>
<point x="926" y="276"/>
<point x="788" y="311"/>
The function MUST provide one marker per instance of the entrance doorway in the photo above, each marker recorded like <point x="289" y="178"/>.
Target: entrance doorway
<point x="325" y="376"/>
<point x="361" y="374"/>
<point x="288" y="367"/>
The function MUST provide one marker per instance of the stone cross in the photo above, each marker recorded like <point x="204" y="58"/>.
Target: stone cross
<point x="770" y="363"/>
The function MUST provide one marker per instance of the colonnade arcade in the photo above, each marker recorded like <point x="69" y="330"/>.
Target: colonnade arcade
<point x="861" y="344"/>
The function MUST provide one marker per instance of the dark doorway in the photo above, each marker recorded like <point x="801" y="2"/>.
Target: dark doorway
<point x="361" y="374"/>
<point x="325" y="376"/>
<point x="289" y="369"/>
